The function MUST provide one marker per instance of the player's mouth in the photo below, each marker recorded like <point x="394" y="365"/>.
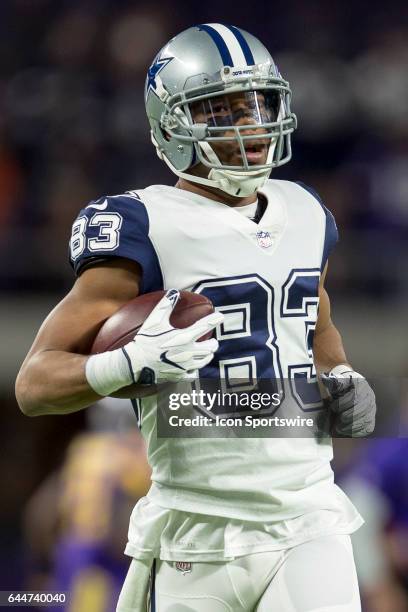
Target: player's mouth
<point x="256" y="153"/>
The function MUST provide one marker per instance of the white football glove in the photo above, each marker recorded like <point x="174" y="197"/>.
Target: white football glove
<point x="161" y="352"/>
<point x="352" y="402"/>
<point x="158" y="353"/>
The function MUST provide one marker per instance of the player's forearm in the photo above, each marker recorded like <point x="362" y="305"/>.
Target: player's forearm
<point x="54" y="382"/>
<point x="328" y="350"/>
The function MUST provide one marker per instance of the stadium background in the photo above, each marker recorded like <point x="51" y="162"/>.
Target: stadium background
<point x="72" y="128"/>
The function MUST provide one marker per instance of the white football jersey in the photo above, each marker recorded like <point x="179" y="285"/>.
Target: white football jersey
<point x="264" y="277"/>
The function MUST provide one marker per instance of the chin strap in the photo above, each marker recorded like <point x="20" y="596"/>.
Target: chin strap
<point x="237" y="185"/>
<point x="234" y="182"/>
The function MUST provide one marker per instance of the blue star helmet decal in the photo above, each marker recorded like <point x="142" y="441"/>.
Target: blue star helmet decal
<point x="158" y="64"/>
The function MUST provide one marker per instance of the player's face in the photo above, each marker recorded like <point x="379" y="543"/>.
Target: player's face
<point x="250" y="108"/>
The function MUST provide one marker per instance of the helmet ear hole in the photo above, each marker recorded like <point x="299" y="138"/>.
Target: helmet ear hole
<point x="165" y="134"/>
<point x="160" y="133"/>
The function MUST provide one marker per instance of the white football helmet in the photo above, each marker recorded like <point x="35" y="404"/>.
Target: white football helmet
<point x="215" y="96"/>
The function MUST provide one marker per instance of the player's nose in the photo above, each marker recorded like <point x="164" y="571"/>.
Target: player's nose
<point x="245" y="119"/>
<point x="254" y="130"/>
<point x="251" y="126"/>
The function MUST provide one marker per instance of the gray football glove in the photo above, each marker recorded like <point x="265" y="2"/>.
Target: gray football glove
<point x="351" y="403"/>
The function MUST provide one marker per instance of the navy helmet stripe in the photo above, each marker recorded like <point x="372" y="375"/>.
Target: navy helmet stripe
<point x="249" y="58"/>
<point x="219" y="41"/>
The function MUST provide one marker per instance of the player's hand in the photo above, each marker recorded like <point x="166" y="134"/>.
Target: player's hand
<point x="352" y="403"/>
<point x="161" y="352"/>
<point x="158" y="353"/>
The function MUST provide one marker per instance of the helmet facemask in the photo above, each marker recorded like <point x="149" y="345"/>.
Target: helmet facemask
<point x="236" y="137"/>
<point x="239" y="126"/>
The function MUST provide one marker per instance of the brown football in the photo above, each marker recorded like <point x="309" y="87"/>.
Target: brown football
<point x="122" y="327"/>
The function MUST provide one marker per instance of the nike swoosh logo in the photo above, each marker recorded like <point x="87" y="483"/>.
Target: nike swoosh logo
<point x="98" y="206"/>
<point x="164" y="359"/>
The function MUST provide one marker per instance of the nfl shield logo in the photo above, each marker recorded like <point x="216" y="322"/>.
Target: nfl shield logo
<point x="183" y="566"/>
<point x="264" y="239"/>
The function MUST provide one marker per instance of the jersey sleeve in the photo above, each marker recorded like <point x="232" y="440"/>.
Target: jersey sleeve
<point x="331" y="234"/>
<point x="115" y="226"/>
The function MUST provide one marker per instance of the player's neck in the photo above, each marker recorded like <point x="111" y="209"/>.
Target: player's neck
<point x="215" y="194"/>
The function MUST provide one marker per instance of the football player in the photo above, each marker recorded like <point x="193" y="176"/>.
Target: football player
<point x="239" y="523"/>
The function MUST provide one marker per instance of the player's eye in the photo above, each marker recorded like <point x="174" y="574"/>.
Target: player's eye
<point x="220" y="108"/>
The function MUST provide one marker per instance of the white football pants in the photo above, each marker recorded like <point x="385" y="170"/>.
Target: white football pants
<point x="317" y="576"/>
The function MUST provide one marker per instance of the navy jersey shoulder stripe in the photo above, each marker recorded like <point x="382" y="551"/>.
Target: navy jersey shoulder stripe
<point x="220" y="42"/>
<point x="331" y="235"/>
<point x="132" y="239"/>
<point x="249" y="58"/>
